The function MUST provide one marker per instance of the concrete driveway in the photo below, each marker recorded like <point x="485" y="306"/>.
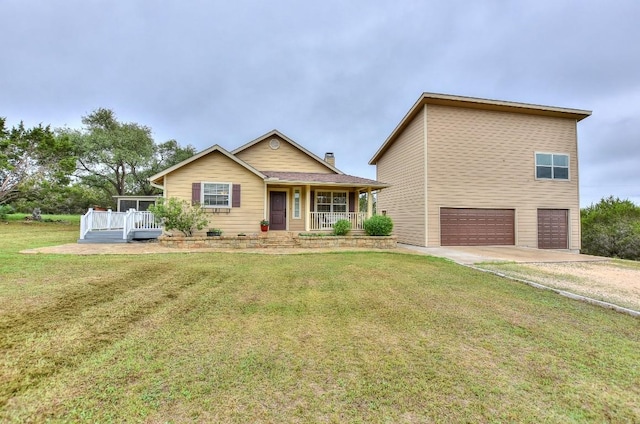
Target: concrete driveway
<point x="469" y="255"/>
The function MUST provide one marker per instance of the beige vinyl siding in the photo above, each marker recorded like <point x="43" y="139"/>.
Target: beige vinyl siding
<point x="215" y="167"/>
<point x="297" y="225"/>
<point x="486" y="159"/>
<point x="403" y="165"/>
<point x="286" y="158"/>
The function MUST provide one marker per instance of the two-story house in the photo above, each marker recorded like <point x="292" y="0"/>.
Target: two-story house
<point x="467" y="171"/>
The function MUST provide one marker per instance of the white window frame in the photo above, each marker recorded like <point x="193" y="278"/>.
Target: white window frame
<point x="297" y="203"/>
<point x="346" y="193"/>
<point x="202" y="194"/>
<point x="553" y="167"/>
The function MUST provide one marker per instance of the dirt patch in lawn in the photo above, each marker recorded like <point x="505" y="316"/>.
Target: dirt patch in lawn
<point x="616" y="282"/>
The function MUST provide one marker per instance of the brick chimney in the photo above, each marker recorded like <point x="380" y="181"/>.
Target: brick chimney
<point x="330" y="159"/>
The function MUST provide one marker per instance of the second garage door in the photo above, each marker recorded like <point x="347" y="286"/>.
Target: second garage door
<point x="553" y="229"/>
<point x="477" y="227"/>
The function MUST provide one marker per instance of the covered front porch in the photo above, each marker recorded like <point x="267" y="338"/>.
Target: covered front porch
<point x="322" y="221"/>
<point x="308" y="202"/>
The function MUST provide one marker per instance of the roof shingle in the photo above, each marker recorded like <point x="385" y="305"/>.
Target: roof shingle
<point x="319" y="178"/>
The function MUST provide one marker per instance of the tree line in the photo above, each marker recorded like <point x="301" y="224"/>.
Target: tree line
<point x="611" y="228"/>
<point x="67" y="170"/>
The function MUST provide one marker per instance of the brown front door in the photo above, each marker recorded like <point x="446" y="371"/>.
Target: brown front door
<point x="553" y="229"/>
<point x="278" y="210"/>
<point x="476" y="227"/>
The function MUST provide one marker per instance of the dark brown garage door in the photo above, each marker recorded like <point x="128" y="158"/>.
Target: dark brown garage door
<point x="553" y="229"/>
<point x="476" y="227"/>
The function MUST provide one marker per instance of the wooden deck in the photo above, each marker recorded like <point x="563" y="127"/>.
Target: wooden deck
<point x="118" y="227"/>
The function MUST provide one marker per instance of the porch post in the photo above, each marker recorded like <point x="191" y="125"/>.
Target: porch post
<point x="369" y="203"/>
<point x="265" y="212"/>
<point x="307" y="211"/>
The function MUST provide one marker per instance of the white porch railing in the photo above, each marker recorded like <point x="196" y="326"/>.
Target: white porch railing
<point x="125" y="221"/>
<point x="325" y="220"/>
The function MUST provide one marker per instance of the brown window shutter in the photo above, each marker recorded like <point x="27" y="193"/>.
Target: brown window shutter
<point x="235" y="196"/>
<point x="195" y="193"/>
<point x="352" y="202"/>
<point x="312" y="201"/>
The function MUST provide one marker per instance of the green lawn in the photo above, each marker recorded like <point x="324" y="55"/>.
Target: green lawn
<point x="72" y="219"/>
<point x="343" y="337"/>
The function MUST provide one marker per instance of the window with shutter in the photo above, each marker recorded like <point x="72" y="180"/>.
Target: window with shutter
<point x="235" y="197"/>
<point x="195" y="193"/>
<point x="216" y="195"/>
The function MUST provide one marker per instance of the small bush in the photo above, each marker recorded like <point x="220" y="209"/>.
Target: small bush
<point x="5" y="210"/>
<point x="378" y="225"/>
<point x="179" y="215"/>
<point x="341" y="227"/>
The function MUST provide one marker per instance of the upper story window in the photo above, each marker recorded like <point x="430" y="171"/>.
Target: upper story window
<point x="552" y="166"/>
<point x="216" y="195"/>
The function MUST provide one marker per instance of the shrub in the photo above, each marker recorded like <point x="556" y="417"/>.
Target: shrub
<point x="611" y="228"/>
<point x="378" y="225"/>
<point x="4" y="211"/>
<point x="179" y="215"/>
<point x="341" y="227"/>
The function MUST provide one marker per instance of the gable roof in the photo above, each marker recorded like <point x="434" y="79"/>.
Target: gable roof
<point x="475" y="103"/>
<point x="316" y="178"/>
<point x="214" y="148"/>
<point x="288" y="140"/>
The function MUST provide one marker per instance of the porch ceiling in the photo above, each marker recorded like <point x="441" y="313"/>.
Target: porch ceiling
<point x="319" y="179"/>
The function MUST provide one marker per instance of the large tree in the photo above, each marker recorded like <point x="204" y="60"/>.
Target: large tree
<point x="119" y="157"/>
<point x="32" y="154"/>
<point x="165" y="155"/>
<point x="109" y="151"/>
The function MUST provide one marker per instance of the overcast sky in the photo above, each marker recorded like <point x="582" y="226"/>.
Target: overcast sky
<point x="332" y="75"/>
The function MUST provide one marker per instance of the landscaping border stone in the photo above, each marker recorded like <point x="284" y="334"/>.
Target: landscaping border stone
<point x="254" y="241"/>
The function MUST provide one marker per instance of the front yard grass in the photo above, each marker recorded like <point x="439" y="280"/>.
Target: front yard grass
<point x="340" y="337"/>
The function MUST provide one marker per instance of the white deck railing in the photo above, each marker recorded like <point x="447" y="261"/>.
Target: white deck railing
<point x="125" y="221"/>
<point x="325" y="220"/>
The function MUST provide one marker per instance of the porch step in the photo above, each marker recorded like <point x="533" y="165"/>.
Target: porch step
<point x="106" y="236"/>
